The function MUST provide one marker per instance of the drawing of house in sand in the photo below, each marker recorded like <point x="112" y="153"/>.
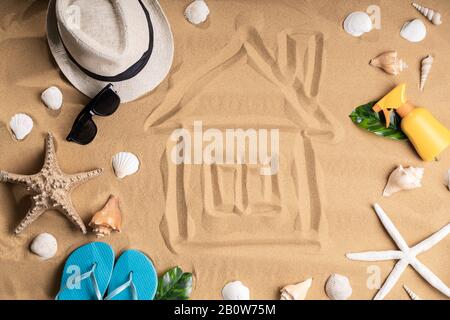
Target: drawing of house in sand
<point x="210" y="205"/>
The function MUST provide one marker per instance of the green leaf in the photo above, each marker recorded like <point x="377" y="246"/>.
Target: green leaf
<point x="365" y="118"/>
<point x="174" y="285"/>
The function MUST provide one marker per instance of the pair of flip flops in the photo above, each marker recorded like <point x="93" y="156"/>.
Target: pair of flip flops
<point x="90" y="274"/>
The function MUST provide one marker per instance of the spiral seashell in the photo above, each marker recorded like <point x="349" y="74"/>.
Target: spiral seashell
<point x="430" y="14"/>
<point x="338" y="287"/>
<point x="108" y="219"/>
<point x="125" y="164"/>
<point x="425" y="71"/>
<point x="21" y="125"/>
<point x="411" y="294"/>
<point x="197" y="12"/>
<point x="296" y="291"/>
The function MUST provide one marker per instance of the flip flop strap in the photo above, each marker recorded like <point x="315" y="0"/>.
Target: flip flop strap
<point x="89" y="274"/>
<point x="126" y="285"/>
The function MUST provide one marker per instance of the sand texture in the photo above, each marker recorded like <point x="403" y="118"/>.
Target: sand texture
<point x="258" y="64"/>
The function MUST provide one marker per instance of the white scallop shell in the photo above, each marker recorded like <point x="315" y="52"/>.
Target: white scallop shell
<point x="52" y="98"/>
<point x="197" y="12"/>
<point x="44" y="245"/>
<point x="414" y="31"/>
<point x="125" y="164"/>
<point x="358" y="23"/>
<point x="338" y="287"/>
<point x="235" y="291"/>
<point x="21" y="125"/>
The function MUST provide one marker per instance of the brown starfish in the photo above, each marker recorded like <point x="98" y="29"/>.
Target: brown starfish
<point x="51" y="188"/>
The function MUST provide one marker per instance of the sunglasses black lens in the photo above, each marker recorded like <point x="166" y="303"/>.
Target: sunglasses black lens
<point x="106" y="104"/>
<point x="84" y="131"/>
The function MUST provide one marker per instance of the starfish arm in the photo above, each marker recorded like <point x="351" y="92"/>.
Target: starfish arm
<point x="430" y="277"/>
<point x="375" y="255"/>
<point x="390" y="228"/>
<point x="14" y="178"/>
<point x="50" y="161"/>
<point x="392" y="279"/>
<point x="79" y="178"/>
<point x="34" y="213"/>
<point x="70" y="212"/>
<point x="431" y="241"/>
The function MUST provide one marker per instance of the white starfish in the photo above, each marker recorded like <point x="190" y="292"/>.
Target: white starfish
<point x="405" y="256"/>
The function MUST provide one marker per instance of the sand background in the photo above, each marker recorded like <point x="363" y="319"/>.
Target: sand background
<point x="352" y="175"/>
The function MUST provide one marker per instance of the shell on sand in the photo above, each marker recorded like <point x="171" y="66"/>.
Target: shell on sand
<point x="357" y="23"/>
<point x="389" y="62"/>
<point x="21" y="125"/>
<point x="44" y="245"/>
<point x="434" y="16"/>
<point x="125" y="164"/>
<point x="427" y="64"/>
<point x="296" y="291"/>
<point x="197" y="12"/>
<point x="107" y="219"/>
<point x="235" y="291"/>
<point x="414" y="31"/>
<point x="403" y="179"/>
<point x="52" y="98"/>
<point x="338" y="287"/>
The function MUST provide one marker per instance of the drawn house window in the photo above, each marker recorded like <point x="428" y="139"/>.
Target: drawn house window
<point x="209" y="205"/>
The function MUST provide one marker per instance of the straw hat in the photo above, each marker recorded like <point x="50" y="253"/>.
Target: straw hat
<point x="125" y="42"/>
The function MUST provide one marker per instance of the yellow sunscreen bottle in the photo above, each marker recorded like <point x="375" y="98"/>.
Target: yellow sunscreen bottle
<point x="426" y="133"/>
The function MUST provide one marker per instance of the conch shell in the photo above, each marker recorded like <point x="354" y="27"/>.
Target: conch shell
<point x="427" y="63"/>
<point x="108" y="219"/>
<point x="403" y="179"/>
<point x="389" y="62"/>
<point x="430" y="14"/>
<point x="296" y="291"/>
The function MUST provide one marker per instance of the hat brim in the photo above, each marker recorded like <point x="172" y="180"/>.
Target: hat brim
<point x="145" y="81"/>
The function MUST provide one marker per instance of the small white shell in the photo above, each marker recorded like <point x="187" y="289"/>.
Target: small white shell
<point x="414" y="31"/>
<point x="52" y="98"/>
<point x="296" y="291"/>
<point x="235" y="291"/>
<point x="425" y="70"/>
<point x="21" y="125"/>
<point x="434" y="16"/>
<point x="125" y="164"/>
<point x="403" y="179"/>
<point x="411" y="293"/>
<point x="358" y="23"/>
<point x="197" y="12"/>
<point x="44" y="245"/>
<point x="338" y="287"/>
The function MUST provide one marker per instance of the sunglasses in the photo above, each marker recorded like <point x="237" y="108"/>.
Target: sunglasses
<point x="104" y="104"/>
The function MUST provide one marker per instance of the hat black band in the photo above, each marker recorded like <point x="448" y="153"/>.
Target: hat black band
<point x="131" y="71"/>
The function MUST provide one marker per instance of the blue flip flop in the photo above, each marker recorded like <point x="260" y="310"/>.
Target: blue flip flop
<point x="134" y="278"/>
<point x="87" y="272"/>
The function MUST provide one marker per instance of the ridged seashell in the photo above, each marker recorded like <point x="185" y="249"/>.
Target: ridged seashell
<point x="44" y="245"/>
<point x="21" y="125"/>
<point x="197" y="12"/>
<point x="357" y="23"/>
<point x="235" y="291"/>
<point x="414" y="31"/>
<point x="427" y="63"/>
<point x="296" y="291"/>
<point x="108" y="219"/>
<point x="411" y="294"/>
<point x="52" y="98"/>
<point x="389" y="62"/>
<point x="430" y="14"/>
<point x="125" y="164"/>
<point x="403" y="179"/>
<point x="338" y="287"/>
